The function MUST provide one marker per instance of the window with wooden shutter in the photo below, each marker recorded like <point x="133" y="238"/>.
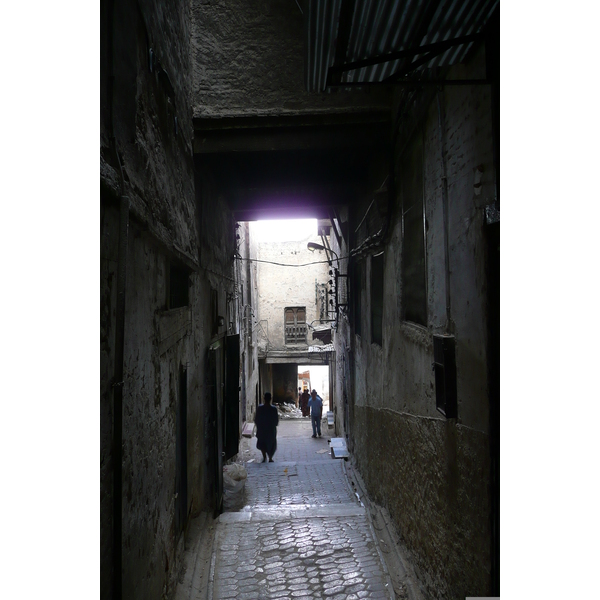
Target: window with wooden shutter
<point x="295" y="325"/>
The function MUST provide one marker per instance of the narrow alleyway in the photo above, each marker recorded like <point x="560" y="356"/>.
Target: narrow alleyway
<point x="306" y="531"/>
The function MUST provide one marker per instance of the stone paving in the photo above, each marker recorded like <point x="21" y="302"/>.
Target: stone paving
<point x="302" y="533"/>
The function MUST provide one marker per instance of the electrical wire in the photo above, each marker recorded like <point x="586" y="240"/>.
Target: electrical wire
<point x="288" y="265"/>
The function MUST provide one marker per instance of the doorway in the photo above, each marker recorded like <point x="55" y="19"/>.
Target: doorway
<point x="316" y="377"/>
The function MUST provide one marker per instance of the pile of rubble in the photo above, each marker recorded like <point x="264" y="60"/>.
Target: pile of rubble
<point x="289" y="411"/>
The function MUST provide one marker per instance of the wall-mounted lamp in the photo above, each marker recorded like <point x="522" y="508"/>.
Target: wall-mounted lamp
<point x="312" y="246"/>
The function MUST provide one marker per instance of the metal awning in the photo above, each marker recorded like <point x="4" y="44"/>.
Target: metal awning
<point x="323" y="333"/>
<point x="359" y="42"/>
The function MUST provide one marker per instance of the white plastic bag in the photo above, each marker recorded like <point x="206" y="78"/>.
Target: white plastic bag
<point x="234" y="484"/>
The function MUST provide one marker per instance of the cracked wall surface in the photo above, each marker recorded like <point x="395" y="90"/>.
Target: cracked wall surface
<point x="430" y="472"/>
<point x="177" y="219"/>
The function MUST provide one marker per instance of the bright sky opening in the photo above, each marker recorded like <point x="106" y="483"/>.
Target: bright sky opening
<point x="283" y="230"/>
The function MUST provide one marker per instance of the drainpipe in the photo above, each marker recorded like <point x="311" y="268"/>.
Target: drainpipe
<point x="117" y="449"/>
<point x="442" y="131"/>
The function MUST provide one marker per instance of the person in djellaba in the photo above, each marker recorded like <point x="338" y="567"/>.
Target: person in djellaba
<point x="266" y="421"/>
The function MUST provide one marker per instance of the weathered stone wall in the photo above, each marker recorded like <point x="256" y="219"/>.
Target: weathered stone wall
<point x="157" y="342"/>
<point x="433" y="473"/>
<point x="177" y="216"/>
<point x="433" y="476"/>
<point x="154" y="169"/>
<point x="149" y="411"/>
<point x="280" y="286"/>
<point x="248" y="59"/>
<point x="143" y="157"/>
<point x="155" y="153"/>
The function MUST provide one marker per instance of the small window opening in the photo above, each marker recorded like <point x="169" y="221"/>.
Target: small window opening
<point x="178" y="287"/>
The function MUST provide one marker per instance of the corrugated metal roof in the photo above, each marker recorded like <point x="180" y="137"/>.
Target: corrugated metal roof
<point x="378" y="27"/>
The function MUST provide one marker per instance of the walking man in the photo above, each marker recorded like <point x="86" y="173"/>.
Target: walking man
<point x="266" y="419"/>
<point x="316" y="410"/>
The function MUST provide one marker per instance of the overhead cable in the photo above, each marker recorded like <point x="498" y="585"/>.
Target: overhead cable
<point x="288" y="265"/>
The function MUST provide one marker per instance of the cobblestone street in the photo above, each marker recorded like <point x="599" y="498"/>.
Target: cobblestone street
<point x="303" y="532"/>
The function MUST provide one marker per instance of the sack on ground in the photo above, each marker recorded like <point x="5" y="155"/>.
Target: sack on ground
<point x="235" y="471"/>
<point x="234" y="484"/>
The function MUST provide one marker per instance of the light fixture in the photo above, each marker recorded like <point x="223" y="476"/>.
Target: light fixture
<point x="312" y="246"/>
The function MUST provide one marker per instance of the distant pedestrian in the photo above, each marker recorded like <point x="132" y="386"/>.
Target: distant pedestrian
<point x="266" y="420"/>
<point x="316" y="405"/>
<point x="299" y="397"/>
<point x="304" y="403"/>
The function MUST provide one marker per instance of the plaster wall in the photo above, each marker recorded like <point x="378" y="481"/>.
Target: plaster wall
<point x="430" y="472"/>
<point x="289" y="286"/>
